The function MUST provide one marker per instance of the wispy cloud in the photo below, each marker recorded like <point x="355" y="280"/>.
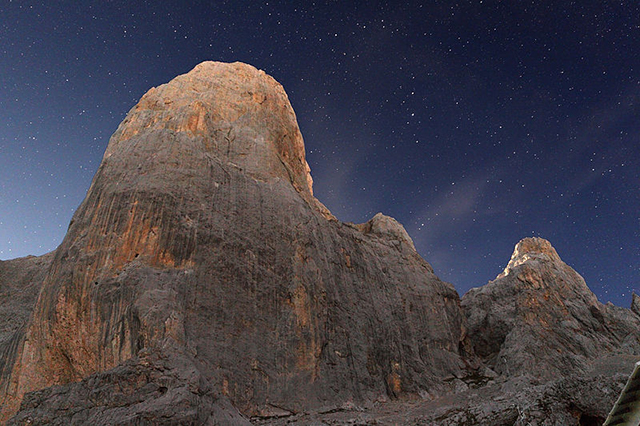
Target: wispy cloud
<point x="456" y="204"/>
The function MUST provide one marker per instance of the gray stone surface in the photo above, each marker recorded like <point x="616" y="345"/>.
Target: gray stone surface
<point x="20" y="282"/>
<point x="153" y="388"/>
<point x="519" y="401"/>
<point x="539" y="318"/>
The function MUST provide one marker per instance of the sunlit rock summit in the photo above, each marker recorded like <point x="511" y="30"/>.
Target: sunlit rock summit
<point x="200" y="282"/>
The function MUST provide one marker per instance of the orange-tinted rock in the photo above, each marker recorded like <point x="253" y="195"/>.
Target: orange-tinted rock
<point x="200" y="232"/>
<point x="539" y="318"/>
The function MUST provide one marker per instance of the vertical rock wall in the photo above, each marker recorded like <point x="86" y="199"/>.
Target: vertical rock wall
<point x="200" y="232"/>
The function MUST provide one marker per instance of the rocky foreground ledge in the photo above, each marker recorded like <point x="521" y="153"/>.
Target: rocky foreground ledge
<point x="200" y="282"/>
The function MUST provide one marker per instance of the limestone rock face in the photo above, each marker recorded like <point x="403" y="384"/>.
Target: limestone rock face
<point x="20" y="282"/>
<point x="539" y="318"/>
<point x="520" y="401"/>
<point x="200" y="236"/>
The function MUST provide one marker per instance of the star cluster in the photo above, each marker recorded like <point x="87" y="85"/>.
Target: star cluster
<point x="473" y="123"/>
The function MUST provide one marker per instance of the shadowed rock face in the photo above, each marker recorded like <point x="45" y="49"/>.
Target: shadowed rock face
<point x="154" y="388"/>
<point x="20" y="282"/>
<point x="539" y="318"/>
<point x="200" y="233"/>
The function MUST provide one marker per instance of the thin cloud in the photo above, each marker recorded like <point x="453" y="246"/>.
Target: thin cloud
<point x="458" y="203"/>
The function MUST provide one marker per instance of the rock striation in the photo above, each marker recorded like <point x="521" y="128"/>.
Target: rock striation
<point x="20" y="279"/>
<point x="200" y="237"/>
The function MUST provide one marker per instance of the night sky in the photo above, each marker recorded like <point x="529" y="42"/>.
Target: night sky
<point x="474" y="124"/>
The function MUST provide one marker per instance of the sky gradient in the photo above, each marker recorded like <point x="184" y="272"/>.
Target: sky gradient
<point x="474" y="123"/>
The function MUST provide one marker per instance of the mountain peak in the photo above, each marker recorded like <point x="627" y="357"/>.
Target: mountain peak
<point x="231" y="112"/>
<point x="200" y="235"/>
<point x="539" y="302"/>
<point x="386" y="226"/>
<point x="531" y="249"/>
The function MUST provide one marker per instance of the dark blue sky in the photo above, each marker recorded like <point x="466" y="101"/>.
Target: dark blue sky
<point x="474" y="123"/>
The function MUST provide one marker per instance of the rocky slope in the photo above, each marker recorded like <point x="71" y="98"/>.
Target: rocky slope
<point x="200" y="282"/>
<point x="538" y="317"/>
<point x="200" y="233"/>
